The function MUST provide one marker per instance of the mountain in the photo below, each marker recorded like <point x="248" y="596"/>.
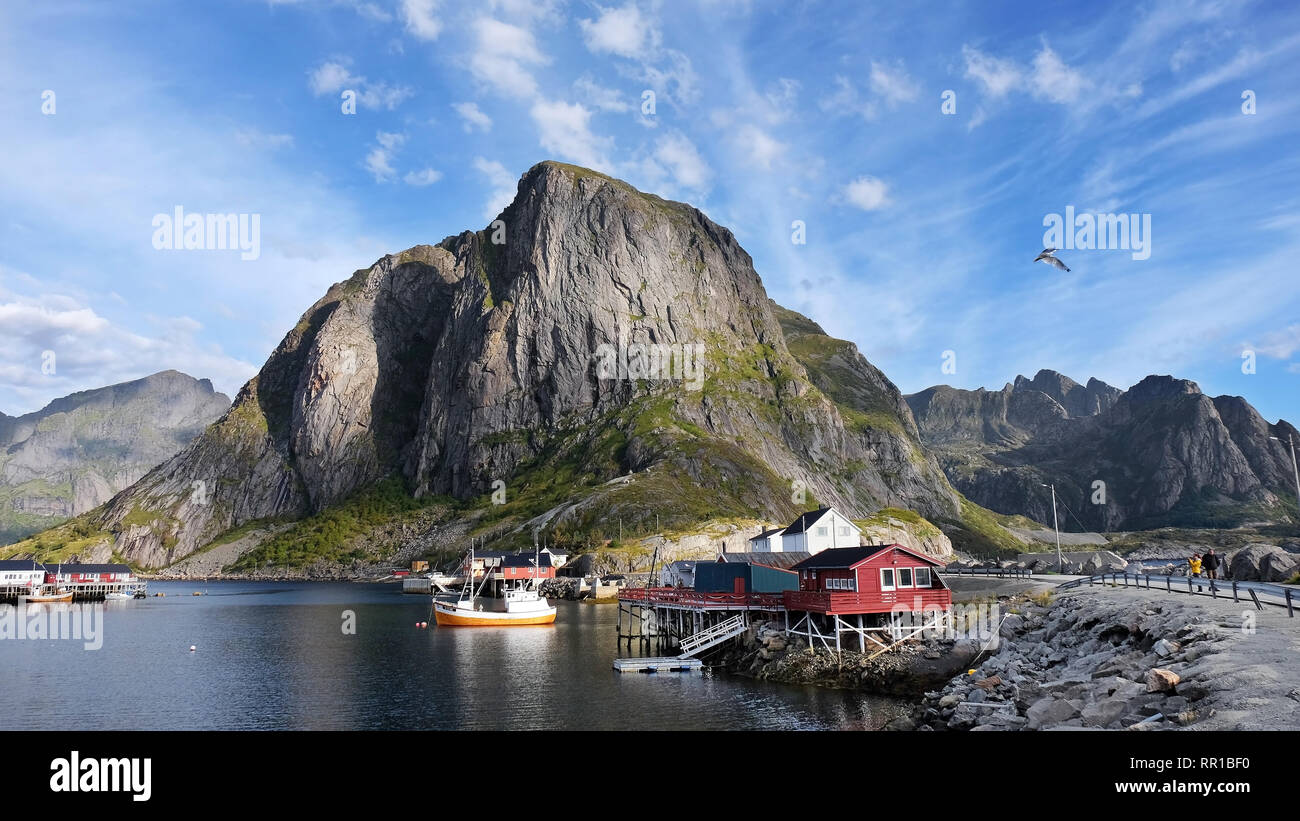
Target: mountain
<point x="78" y="451"/>
<point x="542" y="375"/>
<point x="1168" y="454"/>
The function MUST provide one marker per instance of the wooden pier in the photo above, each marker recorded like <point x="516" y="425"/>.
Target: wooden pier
<point x="669" y="664"/>
<point x="668" y="618"/>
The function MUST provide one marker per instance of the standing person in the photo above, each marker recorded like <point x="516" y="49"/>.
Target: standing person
<point x="1194" y="567"/>
<point x="1211" y="563"/>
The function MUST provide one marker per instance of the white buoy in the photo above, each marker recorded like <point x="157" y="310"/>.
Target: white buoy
<point x="193" y="648"/>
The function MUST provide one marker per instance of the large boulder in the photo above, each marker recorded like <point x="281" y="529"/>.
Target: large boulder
<point x="1262" y="562"/>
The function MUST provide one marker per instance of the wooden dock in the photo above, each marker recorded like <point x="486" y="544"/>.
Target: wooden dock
<point x="669" y="664"/>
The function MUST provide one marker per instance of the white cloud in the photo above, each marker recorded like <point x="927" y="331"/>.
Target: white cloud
<point x="379" y="160"/>
<point x="502" y="55"/>
<point x="420" y="20"/>
<point x="329" y="77"/>
<point x="758" y="145"/>
<point x="672" y="78"/>
<point x="868" y="193"/>
<point x="892" y="84"/>
<point x="995" y="76"/>
<point x="1280" y="344"/>
<point x="473" y="117"/>
<point x="679" y="155"/>
<point x="623" y="31"/>
<point x="502" y="183"/>
<point x="1054" y="81"/>
<point x="564" y="130"/>
<point x="427" y="176"/>
<point x="597" y="96"/>
<point x="92" y="351"/>
<point x="334" y="76"/>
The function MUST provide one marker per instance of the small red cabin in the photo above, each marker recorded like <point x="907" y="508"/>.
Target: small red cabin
<point x="869" y="579"/>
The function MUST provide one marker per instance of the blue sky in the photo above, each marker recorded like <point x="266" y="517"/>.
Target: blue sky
<point x="920" y="225"/>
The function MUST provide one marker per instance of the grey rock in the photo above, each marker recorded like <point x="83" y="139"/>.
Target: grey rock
<point x="455" y="365"/>
<point x="1049" y="712"/>
<point x="78" y="451"/>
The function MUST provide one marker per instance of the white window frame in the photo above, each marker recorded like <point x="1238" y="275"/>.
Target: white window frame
<point x="892" y="579"/>
<point x="929" y="580"/>
<point x="844" y="530"/>
<point x="911" y="584"/>
<point x="821" y="530"/>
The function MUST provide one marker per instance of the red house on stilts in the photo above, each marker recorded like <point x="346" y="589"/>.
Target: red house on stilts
<point x="876" y="591"/>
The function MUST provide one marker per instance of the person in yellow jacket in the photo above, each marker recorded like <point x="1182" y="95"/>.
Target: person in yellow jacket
<point x="1194" y="567"/>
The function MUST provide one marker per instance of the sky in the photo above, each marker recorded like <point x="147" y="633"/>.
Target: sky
<point x="892" y="168"/>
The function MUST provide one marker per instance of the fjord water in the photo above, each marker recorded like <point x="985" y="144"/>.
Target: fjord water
<point x="274" y="656"/>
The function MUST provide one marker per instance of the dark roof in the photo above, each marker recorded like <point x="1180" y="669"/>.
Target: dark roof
<point x="843" y="557"/>
<point x="804" y="521"/>
<point x="16" y="564"/>
<point x="525" y="560"/>
<point x="838" y="557"/>
<point x="781" y="561"/>
<point x="767" y="533"/>
<point x="88" y="568"/>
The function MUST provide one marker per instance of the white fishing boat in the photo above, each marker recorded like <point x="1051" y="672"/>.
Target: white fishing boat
<point x="519" y="604"/>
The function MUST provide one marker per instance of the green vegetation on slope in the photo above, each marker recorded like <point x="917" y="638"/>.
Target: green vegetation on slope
<point x="332" y="534"/>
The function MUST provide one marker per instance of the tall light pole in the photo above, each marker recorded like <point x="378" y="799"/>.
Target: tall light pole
<point x="1294" y="467"/>
<point x="1060" y="564"/>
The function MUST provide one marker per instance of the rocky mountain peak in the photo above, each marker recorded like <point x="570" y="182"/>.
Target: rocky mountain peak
<point x="79" y="450"/>
<point x="595" y="332"/>
<point x="1156" y="388"/>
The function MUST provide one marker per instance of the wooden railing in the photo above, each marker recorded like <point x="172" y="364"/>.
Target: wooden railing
<point x="692" y="598"/>
<point x="871" y="602"/>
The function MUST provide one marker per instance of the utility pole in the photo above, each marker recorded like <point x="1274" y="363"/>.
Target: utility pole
<point x="1060" y="565"/>
<point x="1294" y="467"/>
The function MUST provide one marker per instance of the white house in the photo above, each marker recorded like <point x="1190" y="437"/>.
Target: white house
<point x="819" y="530"/>
<point x="769" y="541"/>
<point x="20" y="573"/>
<point x="558" y="558"/>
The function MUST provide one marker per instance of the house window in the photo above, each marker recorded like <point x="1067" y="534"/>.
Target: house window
<point x="821" y="531"/>
<point x="886" y="578"/>
<point x="904" y="577"/>
<point x="922" y="577"/>
<point x="844" y="530"/>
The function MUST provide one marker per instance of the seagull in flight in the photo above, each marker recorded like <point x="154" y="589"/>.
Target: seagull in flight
<point x="1047" y="257"/>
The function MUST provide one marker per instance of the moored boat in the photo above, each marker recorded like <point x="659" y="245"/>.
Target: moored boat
<point x="519" y="605"/>
<point x="49" y="592"/>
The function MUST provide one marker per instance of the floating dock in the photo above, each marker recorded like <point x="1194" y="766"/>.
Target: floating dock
<point x="668" y="664"/>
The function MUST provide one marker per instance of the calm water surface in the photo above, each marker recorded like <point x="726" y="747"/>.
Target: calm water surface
<point x="273" y="656"/>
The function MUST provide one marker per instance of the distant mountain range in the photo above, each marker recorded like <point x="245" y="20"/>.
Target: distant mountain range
<point x="77" y="451"/>
<point x="1168" y="455"/>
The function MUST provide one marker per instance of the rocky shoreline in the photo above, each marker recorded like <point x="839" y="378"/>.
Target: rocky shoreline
<point x="1118" y="659"/>
<point x="768" y="653"/>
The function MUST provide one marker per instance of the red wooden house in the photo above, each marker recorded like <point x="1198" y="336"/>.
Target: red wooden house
<point x="882" y="586"/>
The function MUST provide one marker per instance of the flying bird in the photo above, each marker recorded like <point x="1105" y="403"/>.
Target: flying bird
<point x="1047" y="257"/>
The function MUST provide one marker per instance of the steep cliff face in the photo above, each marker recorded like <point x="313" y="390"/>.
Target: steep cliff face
<point x="1165" y="453"/>
<point x="75" y="453"/>
<point x="598" y="354"/>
